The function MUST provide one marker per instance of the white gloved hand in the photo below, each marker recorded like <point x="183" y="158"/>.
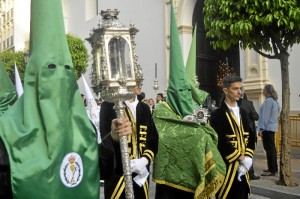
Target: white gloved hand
<point x="241" y="171"/>
<point x="138" y="165"/>
<point x="141" y="178"/>
<point x="247" y="162"/>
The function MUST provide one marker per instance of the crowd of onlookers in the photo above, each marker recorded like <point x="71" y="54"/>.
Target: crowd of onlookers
<point x="150" y="101"/>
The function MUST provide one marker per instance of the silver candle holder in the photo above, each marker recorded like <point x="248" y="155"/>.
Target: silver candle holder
<point x="116" y="72"/>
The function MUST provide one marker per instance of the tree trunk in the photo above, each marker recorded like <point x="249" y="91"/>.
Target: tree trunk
<point x="285" y="175"/>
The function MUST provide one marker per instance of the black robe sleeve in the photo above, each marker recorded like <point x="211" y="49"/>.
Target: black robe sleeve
<point x="106" y="149"/>
<point x="145" y="119"/>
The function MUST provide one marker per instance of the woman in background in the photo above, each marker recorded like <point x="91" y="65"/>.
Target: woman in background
<point x="267" y="126"/>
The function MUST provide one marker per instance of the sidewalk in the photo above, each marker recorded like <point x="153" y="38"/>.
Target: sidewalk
<point x="266" y="186"/>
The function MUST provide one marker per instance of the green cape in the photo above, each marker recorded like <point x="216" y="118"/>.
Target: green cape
<point x="8" y="94"/>
<point x="50" y="141"/>
<point x="187" y="158"/>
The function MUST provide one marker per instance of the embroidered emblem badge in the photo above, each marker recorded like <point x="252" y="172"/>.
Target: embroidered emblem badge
<point x="71" y="170"/>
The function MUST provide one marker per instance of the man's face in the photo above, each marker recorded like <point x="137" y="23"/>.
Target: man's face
<point x="158" y="98"/>
<point x="233" y="92"/>
<point x="137" y="90"/>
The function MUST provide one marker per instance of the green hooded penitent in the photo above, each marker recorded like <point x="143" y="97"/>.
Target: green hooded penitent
<point x="198" y="95"/>
<point x="8" y="94"/>
<point x="179" y="95"/>
<point x="51" y="144"/>
<point x="187" y="158"/>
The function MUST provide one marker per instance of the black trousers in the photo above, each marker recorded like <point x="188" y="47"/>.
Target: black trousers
<point x="110" y="186"/>
<point x="239" y="189"/>
<point x="268" y="138"/>
<point x="167" y="192"/>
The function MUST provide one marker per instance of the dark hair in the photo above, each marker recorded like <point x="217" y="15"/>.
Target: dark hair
<point x="143" y="95"/>
<point x="229" y="79"/>
<point x="270" y="90"/>
<point x="245" y="96"/>
<point x="160" y="94"/>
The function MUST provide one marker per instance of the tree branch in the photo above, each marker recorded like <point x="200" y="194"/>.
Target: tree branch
<point x="275" y="47"/>
<point x="269" y="56"/>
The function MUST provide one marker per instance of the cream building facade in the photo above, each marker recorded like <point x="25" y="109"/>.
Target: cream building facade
<point x="14" y="27"/>
<point x="152" y="18"/>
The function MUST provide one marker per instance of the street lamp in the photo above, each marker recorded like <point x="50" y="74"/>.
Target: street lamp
<point x="115" y="72"/>
<point x="155" y="83"/>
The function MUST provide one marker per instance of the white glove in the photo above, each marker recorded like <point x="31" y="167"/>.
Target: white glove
<point x="141" y="178"/>
<point x="247" y="162"/>
<point x="138" y="165"/>
<point x="241" y="171"/>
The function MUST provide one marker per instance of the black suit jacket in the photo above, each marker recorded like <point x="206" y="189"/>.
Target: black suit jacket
<point x="252" y="115"/>
<point x="234" y="140"/>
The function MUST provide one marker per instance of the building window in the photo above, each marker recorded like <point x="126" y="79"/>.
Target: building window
<point x="97" y="5"/>
<point x="12" y="40"/>
<point x="7" y="42"/>
<point x="3" y="45"/>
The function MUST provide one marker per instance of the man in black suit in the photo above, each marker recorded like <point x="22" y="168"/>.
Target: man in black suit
<point x="142" y="145"/>
<point x="235" y="142"/>
<point x="252" y="116"/>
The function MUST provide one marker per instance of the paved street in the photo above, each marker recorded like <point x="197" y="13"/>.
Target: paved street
<point x="152" y="193"/>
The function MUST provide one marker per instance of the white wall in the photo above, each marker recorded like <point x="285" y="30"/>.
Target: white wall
<point x="294" y="78"/>
<point x="294" y="71"/>
<point x="21" y="23"/>
<point x="186" y="19"/>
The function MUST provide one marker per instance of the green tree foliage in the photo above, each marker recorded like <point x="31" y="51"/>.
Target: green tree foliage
<point x="271" y="28"/>
<point x="9" y="58"/>
<point x="79" y="54"/>
<point x="77" y="49"/>
<point x="268" y="25"/>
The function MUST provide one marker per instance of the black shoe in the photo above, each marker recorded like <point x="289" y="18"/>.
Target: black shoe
<point x="266" y="170"/>
<point x="268" y="174"/>
<point x="254" y="177"/>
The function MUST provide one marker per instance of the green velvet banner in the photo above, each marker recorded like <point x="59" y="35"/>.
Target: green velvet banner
<point x="188" y="158"/>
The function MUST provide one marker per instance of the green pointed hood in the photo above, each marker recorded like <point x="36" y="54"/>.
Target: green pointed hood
<point x="198" y="95"/>
<point x="51" y="144"/>
<point x="179" y="95"/>
<point x="8" y="94"/>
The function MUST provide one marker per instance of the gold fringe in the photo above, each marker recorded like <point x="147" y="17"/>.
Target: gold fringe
<point x="207" y="191"/>
<point x="173" y="185"/>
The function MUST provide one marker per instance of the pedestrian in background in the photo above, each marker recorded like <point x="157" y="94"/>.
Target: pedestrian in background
<point x="151" y="104"/>
<point x="159" y="97"/>
<point x="267" y="126"/>
<point x="253" y="116"/>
